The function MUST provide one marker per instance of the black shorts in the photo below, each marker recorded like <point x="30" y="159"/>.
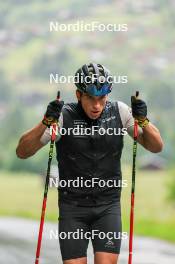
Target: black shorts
<point x="78" y="224"/>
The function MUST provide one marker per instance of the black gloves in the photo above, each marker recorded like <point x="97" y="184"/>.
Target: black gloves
<point x="139" y="111"/>
<point x="52" y="113"/>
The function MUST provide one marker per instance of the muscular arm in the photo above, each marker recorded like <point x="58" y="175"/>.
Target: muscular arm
<point x="150" y="138"/>
<point x="30" y="143"/>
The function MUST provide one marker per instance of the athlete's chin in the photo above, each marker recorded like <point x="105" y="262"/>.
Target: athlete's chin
<point x="93" y="115"/>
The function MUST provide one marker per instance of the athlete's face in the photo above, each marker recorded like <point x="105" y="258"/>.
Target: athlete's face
<point x="92" y="105"/>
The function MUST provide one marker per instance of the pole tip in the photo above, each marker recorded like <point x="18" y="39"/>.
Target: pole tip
<point x="58" y="95"/>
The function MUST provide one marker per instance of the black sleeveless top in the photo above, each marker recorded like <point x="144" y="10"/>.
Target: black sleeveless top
<point x="94" y="155"/>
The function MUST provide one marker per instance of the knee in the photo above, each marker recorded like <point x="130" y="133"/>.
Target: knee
<point x="106" y="258"/>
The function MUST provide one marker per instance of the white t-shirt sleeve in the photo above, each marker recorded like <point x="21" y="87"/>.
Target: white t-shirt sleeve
<point x="126" y="115"/>
<point x="46" y="137"/>
<point x="127" y="118"/>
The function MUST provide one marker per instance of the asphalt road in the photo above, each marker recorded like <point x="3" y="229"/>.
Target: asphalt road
<point x="18" y="238"/>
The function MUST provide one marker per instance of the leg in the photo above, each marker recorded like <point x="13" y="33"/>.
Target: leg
<point x="76" y="261"/>
<point x="72" y="221"/>
<point x="105" y="258"/>
<point x="107" y="240"/>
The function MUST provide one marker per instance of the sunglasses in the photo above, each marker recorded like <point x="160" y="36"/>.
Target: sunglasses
<point x="94" y="91"/>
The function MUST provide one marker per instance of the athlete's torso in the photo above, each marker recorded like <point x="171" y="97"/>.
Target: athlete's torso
<point x="90" y="156"/>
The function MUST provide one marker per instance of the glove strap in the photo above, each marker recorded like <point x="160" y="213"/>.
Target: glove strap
<point x="48" y="121"/>
<point x="143" y="123"/>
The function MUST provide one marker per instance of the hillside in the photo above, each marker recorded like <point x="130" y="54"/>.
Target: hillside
<point x="29" y="52"/>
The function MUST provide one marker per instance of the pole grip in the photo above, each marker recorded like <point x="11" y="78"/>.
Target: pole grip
<point x="135" y="121"/>
<point x="137" y="94"/>
<point x="55" y="126"/>
<point x="58" y="95"/>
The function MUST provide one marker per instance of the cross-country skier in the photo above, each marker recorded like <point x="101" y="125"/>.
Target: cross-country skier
<point x="89" y="148"/>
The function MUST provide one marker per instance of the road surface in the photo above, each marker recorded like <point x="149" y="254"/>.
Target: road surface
<point x="18" y="238"/>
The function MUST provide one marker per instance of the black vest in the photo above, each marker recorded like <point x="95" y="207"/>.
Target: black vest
<point x="90" y="156"/>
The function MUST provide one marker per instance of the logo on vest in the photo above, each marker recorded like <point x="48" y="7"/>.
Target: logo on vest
<point x="107" y="119"/>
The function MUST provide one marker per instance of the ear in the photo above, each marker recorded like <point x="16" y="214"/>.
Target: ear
<point x="78" y="95"/>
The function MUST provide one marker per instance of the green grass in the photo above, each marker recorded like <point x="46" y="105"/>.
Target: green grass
<point x="154" y="213"/>
<point x="21" y="195"/>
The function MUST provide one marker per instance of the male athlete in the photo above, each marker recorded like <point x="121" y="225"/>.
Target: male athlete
<point x="89" y="151"/>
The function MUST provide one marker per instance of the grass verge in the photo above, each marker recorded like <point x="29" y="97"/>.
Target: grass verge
<point x="21" y="196"/>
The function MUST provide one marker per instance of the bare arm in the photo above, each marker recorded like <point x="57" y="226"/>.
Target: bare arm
<point x="29" y="142"/>
<point x="150" y="138"/>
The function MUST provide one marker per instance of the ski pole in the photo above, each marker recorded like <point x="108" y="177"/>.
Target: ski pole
<point x="53" y="137"/>
<point x="133" y="189"/>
